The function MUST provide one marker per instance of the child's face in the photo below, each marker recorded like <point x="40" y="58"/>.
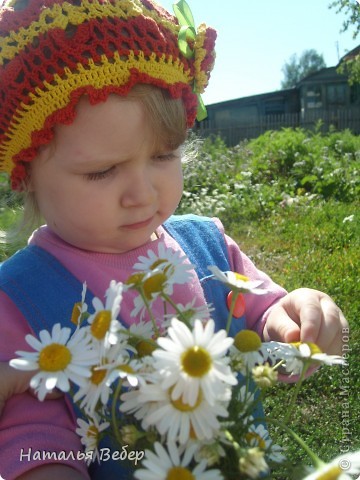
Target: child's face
<point x="103" y="185"/>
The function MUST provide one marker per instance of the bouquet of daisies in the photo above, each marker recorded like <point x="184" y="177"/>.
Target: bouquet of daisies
<point x="179" y="399"/>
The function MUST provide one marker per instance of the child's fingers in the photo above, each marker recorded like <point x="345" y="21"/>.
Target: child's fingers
<point x="280" y="327"/>
<point x="330" y="334"/>
<point x="14" y="382"/>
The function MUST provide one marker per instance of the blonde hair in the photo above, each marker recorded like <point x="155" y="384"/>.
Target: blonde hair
<point x="167" y="117"/>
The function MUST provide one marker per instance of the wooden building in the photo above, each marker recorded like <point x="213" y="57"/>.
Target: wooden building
<point x="325" y="95"/>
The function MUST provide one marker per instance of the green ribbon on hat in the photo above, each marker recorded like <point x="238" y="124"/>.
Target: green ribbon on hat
<point x="188" y="33"/>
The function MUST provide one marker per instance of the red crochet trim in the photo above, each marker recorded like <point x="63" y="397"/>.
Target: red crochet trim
<point x="67" y="115"/>
<point x="53" y="51"/>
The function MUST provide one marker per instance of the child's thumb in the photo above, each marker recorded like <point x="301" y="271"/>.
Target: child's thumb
<point x="13" y="382"/>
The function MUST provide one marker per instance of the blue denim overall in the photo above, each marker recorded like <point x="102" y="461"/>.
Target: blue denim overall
<point x="45" y="292"/>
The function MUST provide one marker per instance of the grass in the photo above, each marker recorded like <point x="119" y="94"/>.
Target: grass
<point x="313" y="246"/>
<point x="309" y="245"/>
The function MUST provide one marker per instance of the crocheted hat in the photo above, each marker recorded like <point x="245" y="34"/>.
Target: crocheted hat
<point x="54" y="51"/>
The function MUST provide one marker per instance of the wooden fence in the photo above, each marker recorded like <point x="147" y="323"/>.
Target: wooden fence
<point x="340" y="119"/>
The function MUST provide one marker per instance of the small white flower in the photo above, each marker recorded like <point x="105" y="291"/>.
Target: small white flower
<point x="89" y="433"/>
<point x="128" y="372"/>
<point x="296" y="355"/>
<point x="157" y="275"/>
<point x="350" y="218"/>
<point x="103" y="323"/>
<point x="173" y="463"/>
<point x="80" y="308"/>
<point x="338" y="469"/>
<point x="190" y="360"/>
<point x="61" y="358"/>
<point x="249" y="348"/>
<point x="172" y="262"/>
<point x="258" y="436"/>
<point x="179" y="420"/>
<point x="191" y="313"/>
<point x="236" y="281"/>
<point x="131" y="404"/>
<point x="253" y="462"/>
<point x="97" y="387"/>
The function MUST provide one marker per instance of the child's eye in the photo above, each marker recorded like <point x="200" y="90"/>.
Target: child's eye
<point x="163" y="157"/>
<point x="100" y="175"/>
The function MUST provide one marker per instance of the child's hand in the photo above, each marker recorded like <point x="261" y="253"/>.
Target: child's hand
<point x="14" y="381"/>
<point x="309" y="316"/>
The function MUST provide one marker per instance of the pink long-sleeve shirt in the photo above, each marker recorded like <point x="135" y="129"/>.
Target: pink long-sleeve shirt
<point x="29" y="427"/>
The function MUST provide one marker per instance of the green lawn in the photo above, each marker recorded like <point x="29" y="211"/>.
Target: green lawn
<point x="314" y="247"/>
<point x="317" y="246"/>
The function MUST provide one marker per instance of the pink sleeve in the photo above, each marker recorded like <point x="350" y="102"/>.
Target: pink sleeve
<point x="30" y="428"/>
<point x="257" y="306"/>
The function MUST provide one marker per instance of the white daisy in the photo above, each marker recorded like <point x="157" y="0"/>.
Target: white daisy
<point x="80" y="308"/>
<point x="190" y="360"/>
<point x="97" y="387"/>
<point x="173" y="463"/>
<point x="236" y="281"/>
<point x="190" y="313"/>
<point x="157" y="275"/>
<point x="178" y="420"/>
<point x="141" y="337"/>
<point x="89" y="433"/>
<point x="258" y="436"/>
<point x="211" y="451"/>
<point x="131" y="404"/>
<point x="128" y="372"/>
<point x="298" y="354"/>
<point x="61" y="358"/>
<point x="338" y="469"/>
<point x="249" y="349"/>
<point x="253" y="463"/>
<point x="103" y="323"/>
<point x="150" y="286"/>
<point x="172" y="262"/>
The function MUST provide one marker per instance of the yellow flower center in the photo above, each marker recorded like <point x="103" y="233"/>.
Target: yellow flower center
<point x="196" y="361"/>
<point x="75" y="315"/>
<point x="92" y="431"/>
<point x="126" y="368"/>
<point x="254" y="436"/>
<point x="154" y="284"/>
<point x="185" y="407"/>
<point x="331" y="474"/>
<point x="158" y="262"/>
<point x="145" y="348"/>
<point x="313" y="347"/>
<point x="101" y="324"/>
<point x="135" y="279"/>
<point x="179" y="473"/>
<point x="97" y="375"/>
<point x="238" y="276"/>
<point x="247" y="341"/>
<point x="54" y="357"/>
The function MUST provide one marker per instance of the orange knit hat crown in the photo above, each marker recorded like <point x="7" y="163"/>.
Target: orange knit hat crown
<point x="54" y="51"/>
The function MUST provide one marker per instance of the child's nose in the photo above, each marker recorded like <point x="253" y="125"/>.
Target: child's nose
<point x="139" y="190"/>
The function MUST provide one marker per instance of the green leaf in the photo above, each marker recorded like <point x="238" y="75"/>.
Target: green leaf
<point x="183" y="14"/>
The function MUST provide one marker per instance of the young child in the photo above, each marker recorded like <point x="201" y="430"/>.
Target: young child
<point x="96" y="99"/>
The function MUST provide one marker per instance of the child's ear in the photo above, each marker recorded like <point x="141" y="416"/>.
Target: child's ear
<point x="29" y="184"/>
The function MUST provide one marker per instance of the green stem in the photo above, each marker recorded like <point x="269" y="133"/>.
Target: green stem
<point x="231" y="311"/>
<point x="295" y="393"/>
<point x="314" y="458"/>
<point x="147" y="305"/>
<point x="138" y="337"/>
<point x="176" y="308"/>
<point x="114" y="422"/>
